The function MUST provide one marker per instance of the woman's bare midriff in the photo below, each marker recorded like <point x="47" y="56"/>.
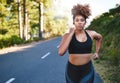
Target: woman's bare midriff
<point x="80" y="59"/>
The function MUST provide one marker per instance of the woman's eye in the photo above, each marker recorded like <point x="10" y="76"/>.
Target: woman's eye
<point x="81" y="20"/>
<point x="77" y="20"/>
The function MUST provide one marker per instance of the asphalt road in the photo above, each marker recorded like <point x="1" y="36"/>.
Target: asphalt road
<point x="37" y="64"/>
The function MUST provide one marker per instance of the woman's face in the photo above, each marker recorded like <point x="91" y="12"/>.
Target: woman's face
<point x="79" y="22"/>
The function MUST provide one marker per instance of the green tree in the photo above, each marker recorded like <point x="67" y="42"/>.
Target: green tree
<point x="108" y="25"/>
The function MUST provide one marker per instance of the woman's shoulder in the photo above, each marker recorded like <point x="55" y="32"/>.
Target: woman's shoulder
<point x="93" y="33"/>
<point x="90" y="31"/>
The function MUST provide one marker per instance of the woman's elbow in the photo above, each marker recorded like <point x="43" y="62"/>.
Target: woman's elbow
<point x="101" y="38"/>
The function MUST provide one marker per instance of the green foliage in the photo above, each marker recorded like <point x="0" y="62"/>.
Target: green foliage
<point x="10" y="1"/>
<point x="15" y="40"/>
<point x="114" y="76"/>
<point x="55" y="26"/>
<point x="47" y="3"/>
<point x="9" y="21"/>
<point x="9" y="41"/>
<point x="3" y="10"/>
<point x="108" y="25"/>
<point x="115" y="10"/>
<point x="3" y="1"/>
<point x="3" y="31"/>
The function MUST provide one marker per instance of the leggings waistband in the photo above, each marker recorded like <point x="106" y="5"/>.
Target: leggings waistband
<point x="85" y="66"/>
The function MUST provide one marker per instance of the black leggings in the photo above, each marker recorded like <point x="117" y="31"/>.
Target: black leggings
<point x="80" y="74"/>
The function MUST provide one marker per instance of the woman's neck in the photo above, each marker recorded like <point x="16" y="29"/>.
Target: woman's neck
<point x="79" y="31"/>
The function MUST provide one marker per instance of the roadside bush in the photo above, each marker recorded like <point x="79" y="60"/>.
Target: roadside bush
<point x="3" y="31"/>
<point x="15" y="40"/>
<point x="9" y="41"/>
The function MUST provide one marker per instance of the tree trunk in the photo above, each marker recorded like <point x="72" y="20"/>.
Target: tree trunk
<point x="20" y="20"/>
<point x="25" y="21"/>
<point x="40" y="20"/>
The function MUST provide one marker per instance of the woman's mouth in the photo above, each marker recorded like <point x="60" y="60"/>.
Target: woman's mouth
<point x="79" y="26"/>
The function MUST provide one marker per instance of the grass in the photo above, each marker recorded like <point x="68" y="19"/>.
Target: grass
<point x="108" y="73"/>
<point x="100" y="68"/>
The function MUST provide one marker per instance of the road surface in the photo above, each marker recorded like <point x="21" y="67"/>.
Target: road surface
<point x="39" y="63"/>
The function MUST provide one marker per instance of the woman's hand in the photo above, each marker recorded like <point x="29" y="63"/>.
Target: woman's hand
<point x="66" y="41"/>
<point x="95" y="56"/>
<point x="72" y="30"/>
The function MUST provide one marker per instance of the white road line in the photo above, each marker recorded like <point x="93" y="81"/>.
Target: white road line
<point x="45" y="55"/>
<point x="58" y="46"/>
<point x="10" y="80"/>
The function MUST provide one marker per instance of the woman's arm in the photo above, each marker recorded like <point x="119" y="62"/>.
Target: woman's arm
<point x="65" y="42"/>
<point x="98" y="38"/>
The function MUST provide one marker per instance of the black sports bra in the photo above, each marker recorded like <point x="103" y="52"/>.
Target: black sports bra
<point x="77" y="47"/>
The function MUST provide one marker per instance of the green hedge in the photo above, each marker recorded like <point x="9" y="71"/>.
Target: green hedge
<point x="6" y="42"/>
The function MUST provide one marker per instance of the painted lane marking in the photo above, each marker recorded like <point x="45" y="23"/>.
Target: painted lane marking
<point x="45" y="55"/>
<point x="58" y="46"/>
<point x="10" y="80"/>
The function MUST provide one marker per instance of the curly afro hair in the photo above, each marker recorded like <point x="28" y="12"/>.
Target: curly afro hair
<point x="83" y="10"/>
